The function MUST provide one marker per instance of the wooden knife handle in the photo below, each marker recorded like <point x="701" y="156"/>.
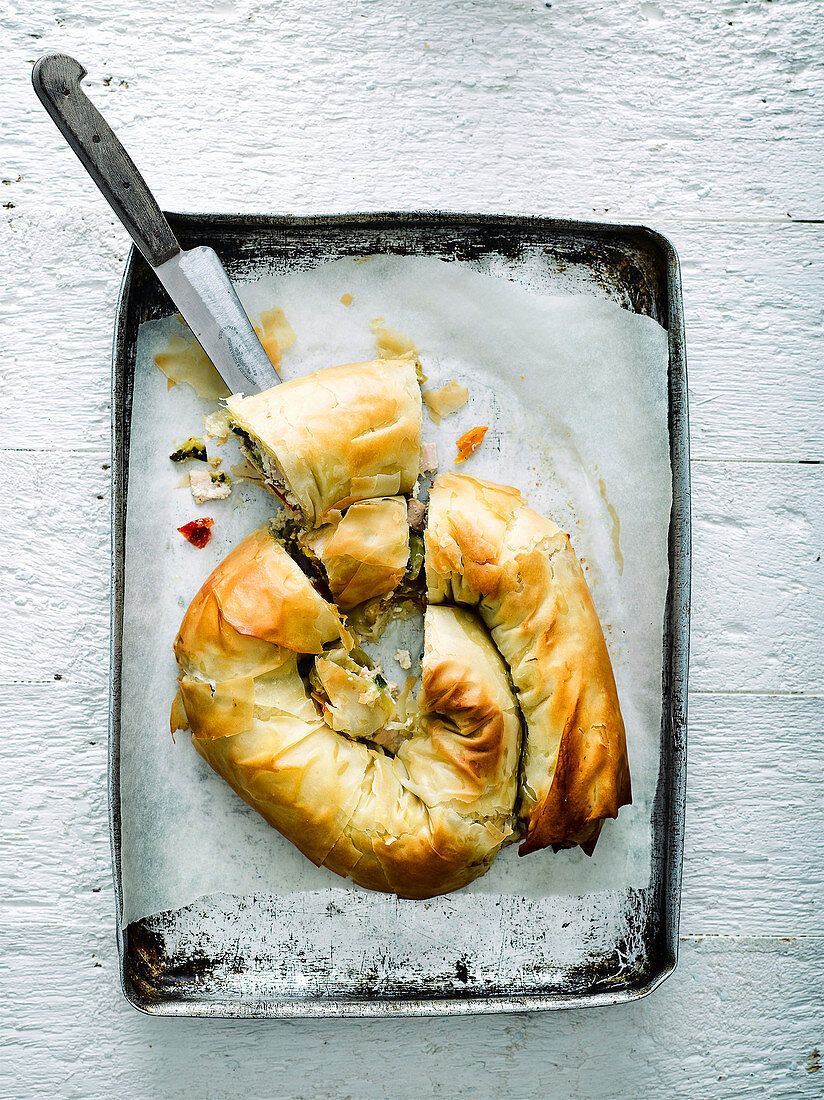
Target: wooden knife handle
<point x="56" y="79"/>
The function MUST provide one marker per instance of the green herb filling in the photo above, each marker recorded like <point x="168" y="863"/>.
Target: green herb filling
<point x="192" y="448"/>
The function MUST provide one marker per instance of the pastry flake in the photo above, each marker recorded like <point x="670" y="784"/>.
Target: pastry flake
<point x="446" y="400"/>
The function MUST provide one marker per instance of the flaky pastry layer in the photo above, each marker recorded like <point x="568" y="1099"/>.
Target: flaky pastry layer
<point x="424" y="822"/>
<point x="365" y="551"/>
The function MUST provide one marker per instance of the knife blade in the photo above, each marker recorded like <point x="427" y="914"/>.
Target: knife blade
<point x="195" y="279"/>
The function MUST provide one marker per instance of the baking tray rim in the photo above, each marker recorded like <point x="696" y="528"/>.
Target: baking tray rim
<point x="677" y="609"/>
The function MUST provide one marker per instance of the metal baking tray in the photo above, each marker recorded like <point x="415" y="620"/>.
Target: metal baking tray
<point x="375" y="955"/>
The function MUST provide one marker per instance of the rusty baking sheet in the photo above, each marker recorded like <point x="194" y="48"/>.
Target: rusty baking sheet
<point x="375" y="955"/>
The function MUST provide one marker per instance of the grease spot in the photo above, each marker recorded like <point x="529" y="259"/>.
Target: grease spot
<point x="275" y="333"/>
<point x="616" y="527"/>
<point x="185" y="361"/>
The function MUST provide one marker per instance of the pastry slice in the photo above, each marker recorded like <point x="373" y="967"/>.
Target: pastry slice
<point x="365" y="551"/>
<point x="340" y="435"/>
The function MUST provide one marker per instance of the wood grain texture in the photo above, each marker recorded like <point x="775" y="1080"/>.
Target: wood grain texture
<point x="758" y="577"/>
<point x="701" y="119"/>
<point x="55" y="537"/>
<point x="632" y="109"/>
<point x="739" y="1018"/>
<point x="755" y="816"/>
<point x="755" y="339"/>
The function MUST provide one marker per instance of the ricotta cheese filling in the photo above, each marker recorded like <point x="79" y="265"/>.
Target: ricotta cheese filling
<point x="208" y="485"/>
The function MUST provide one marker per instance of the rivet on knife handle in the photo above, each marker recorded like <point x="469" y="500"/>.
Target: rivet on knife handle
<point x="56" y="78"/>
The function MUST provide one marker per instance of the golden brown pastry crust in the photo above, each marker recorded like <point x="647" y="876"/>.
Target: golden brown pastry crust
<point x="365" y="552"/>
<point x="252" y="611"/>
<point x="425" y="822"/>
<point x="339" y="435"/>
<point x="469" y="753"/>
<point x="486" y="548"/>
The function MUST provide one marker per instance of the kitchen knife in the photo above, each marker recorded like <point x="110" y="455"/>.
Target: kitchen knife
<point x="194" y="278"/>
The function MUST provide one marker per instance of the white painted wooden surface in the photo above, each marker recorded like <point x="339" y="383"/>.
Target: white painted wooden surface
<point x="701" y="118"/>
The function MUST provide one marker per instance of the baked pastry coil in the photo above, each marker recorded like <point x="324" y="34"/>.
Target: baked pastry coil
<point x="485" y="548"/>
<point x="334" y="437"/>
<point x="423" y="822"/>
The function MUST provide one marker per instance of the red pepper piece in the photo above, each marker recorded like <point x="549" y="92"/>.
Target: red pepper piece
<point x="197" y="532"/>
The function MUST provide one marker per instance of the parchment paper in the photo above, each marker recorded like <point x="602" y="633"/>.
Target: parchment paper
<point x="573" y="389"/>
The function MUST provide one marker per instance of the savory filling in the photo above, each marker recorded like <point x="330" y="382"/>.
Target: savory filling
<point x="192" y="448"/>
<point x="267" y="466"/>
<point x="287" y="529"/>
<point x="416" y="551"/>
<point x="349" y="691"/>
<point x="210" y="485"/>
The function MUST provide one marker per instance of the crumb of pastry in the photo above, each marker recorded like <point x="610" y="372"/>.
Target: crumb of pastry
<point x="377" y="688"/>
<point x="446" y="400"/>
<point x="216" y="461"/>
<point x="216" y="425"/>
<point x="347" y="299"/>
<point x="403" y="658"/>
<point x="209" y="486"/>
<point x="391" y="344"/>
<point x="192" y="448"/>
<point x="429" y="458"/>
<point x="469" y="442"/>
<point x="198" y="531"/>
